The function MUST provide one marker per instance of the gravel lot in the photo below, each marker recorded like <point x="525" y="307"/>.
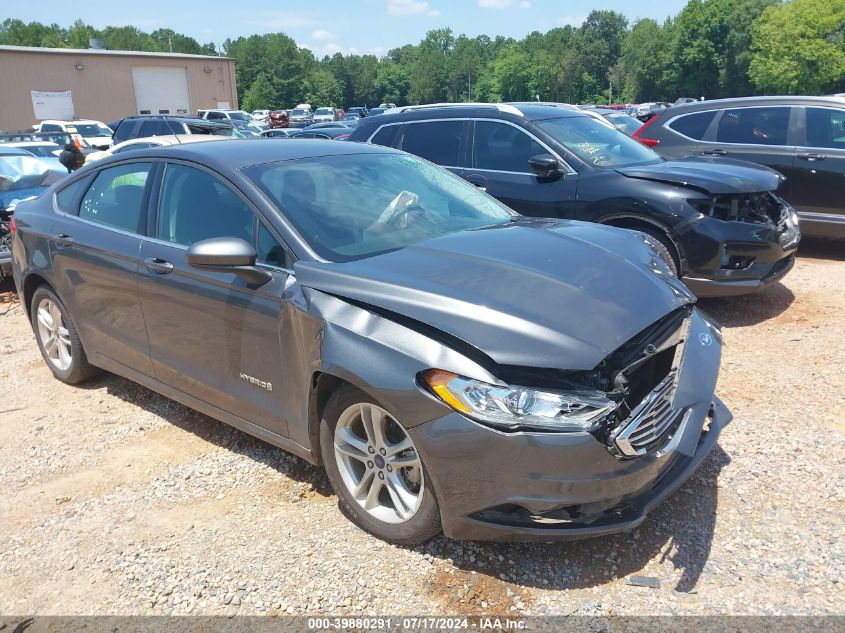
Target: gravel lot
<point x="114" y="500"/>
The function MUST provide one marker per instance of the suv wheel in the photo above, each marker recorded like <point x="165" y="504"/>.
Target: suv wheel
<point x="58" y="338"/>
<point x="376" y="470"/>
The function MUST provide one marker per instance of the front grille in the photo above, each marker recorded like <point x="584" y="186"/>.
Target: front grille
<point x="649" y="424"/>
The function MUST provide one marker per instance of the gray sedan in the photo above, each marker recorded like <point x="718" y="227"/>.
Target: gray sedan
<point x="453" y="365"/>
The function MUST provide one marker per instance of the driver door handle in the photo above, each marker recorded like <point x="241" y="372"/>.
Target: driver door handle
<point x="715" y="152"/>
<point x="479" y="186"/>
<point x="158" y="265"/>
<point x="63" y="240"/>
<point x="811" y="157"/>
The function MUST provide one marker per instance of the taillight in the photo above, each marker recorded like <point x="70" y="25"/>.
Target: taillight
<point x="13" y="226"/>
<point x="648" y="142"/>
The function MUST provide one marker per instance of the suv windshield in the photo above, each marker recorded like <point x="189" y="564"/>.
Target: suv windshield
<point x="597" y="144"/>
<point x="355" y="206"/>
<point x="92" y="129"/>
<point x="324" y="111"/>
<point x="240" y="116"/>
<point x="297" y="112"/>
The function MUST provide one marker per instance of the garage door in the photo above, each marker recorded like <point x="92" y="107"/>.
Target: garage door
<point x="161" y="90"/>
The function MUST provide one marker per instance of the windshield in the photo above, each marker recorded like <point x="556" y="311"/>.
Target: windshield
<point x="596" y="143"/>
<point x="627" y="124"/>
<point x="296" y="112"/>
<point x="93" y="129"/>
<point x="324" y="111"/>
<point x="355" y="206"/>
<point x="240" y="116"/>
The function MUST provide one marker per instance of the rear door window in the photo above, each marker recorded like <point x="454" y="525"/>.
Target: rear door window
<point x="386" y="136"/>
<point x="825" y="128"/>
<point x="501" y="147"/>
<point x="116" y="197"/>
<point x="437" y="141"/>
<point x="754" y="126"/>
<point x="693" y="125"/>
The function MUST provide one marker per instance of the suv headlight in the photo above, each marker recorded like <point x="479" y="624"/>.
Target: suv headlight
<point x="514" y="408"/>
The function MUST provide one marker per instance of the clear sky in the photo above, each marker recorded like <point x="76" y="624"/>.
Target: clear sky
<point x="329" y="26"/>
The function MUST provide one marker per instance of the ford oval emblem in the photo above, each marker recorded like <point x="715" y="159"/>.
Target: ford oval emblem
<point x="705" y="339"/>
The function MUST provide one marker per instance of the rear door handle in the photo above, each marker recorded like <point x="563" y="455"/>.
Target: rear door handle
<point x="715" y="152"/>
<point x="811" y="156"/>
<point x="479" y="186"/>
<point x="158" y="265"/>
<point x="63" y="240"/>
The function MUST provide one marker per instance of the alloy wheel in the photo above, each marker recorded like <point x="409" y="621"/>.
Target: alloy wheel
<point x="53" y="334"/>
<point x="378" y="463"/>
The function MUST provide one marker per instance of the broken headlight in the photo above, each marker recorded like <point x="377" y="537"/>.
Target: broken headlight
<point x="514" y="408"/>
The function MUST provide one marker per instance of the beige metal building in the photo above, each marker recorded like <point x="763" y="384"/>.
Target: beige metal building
<point x="106" y="85"/>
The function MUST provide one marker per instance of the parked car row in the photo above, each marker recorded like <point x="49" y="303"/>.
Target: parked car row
<point x="719" y="226"/>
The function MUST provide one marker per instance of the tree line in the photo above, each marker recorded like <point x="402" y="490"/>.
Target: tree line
<point x="711" y="49"/>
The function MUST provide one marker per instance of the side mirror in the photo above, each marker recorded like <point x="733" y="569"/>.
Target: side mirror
<point x="228" y="254"/>
<point x="544" y="165"/>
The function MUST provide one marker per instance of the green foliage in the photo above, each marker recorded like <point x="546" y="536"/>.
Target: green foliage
<point x="260" y="96"/>
<point x="713" y="48"/>
<point x="798" y="47"/>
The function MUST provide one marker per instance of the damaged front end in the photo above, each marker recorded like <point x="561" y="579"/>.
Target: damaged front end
<point x="744" y="242"/>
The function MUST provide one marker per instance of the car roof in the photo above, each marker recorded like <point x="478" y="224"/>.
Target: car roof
<point x="718" y="104"/>
<point x="31" y="144"/>
<point x="73" y="122"/>
<point x="513" y="111"/>
<point x="6" y="150"/>
<point x="246" y="152"/>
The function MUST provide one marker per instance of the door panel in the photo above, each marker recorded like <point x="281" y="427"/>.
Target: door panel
<point x="210" y="335"/>
<point x="207" y="329"/>
<point x="820" y="164"/>
<point x="95" y="259"/>
<point x="498" y="163"/>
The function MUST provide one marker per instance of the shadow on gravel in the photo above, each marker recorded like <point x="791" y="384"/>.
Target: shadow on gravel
<point x="680" y="530"/>
<point x="213" y="431"/>
<point x="749" y="309"/>
<point x="821" y="248"/>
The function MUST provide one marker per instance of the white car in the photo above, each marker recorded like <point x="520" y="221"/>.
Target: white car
<point x="134" y="144"/>
<point x="260" y="115"/>
<point x="230" y="115"/>
<point x="322" y="115"/>
<point x="95" y="133"/>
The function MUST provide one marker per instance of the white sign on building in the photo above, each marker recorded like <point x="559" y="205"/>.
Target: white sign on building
<point x="52" y="105"/>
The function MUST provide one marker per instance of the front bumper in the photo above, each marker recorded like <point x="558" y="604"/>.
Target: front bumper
<point x="729" y="258"/>
<point x="728" y="287"/>
<point x="524" y="486"/>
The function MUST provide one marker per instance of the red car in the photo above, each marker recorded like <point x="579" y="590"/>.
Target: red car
<point x="278" y="118"/>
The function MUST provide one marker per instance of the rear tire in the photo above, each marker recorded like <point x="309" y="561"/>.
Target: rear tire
<point x="664" y="247"/>
<point x="376" y="470"/>
<point x="58" y="338"/>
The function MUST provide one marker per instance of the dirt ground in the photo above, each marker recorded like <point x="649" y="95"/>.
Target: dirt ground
<point x="116" y="500"/>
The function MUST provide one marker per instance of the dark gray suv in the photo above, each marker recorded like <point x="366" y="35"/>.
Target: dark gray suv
<point x="453" y="365"/>
<point x="801" y="137"/>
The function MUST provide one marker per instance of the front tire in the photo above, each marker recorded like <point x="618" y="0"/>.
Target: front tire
<point x="376" y="470"/>
<point x="58" y="338"/>
<point x="664" y="248"/>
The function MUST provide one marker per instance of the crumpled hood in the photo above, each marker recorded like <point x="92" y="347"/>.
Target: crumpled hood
<point x="535" y="293"/>
<point x="709" y="175"/>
